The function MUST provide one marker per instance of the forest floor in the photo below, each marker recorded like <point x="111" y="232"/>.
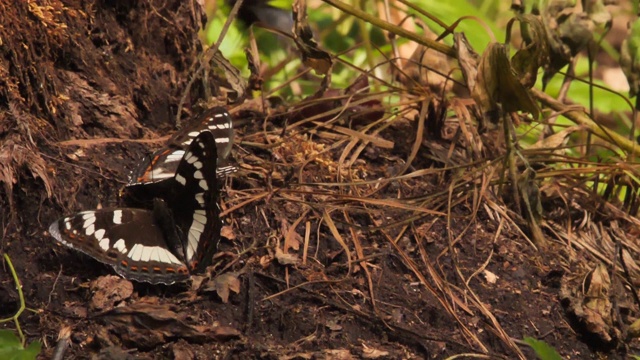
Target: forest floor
<point x="304" y="270"/>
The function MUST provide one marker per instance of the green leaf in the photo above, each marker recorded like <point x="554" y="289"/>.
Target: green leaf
<point x="32" y="350"/>
<point x="8" y="339"/>
<point x="12" y="349"/>
<point x="543" y="350"/>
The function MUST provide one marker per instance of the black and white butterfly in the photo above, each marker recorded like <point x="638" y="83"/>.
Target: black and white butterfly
<point x="177" y="236"/>
<point x="148" y="177"/>
<point x="163" y="163"/>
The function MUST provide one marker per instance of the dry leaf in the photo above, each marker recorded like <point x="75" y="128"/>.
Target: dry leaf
<point x="286" y="259"/>
<point x="108" y="291"/>
<point x="490" y="277"/>
<point x="338" y="354"/>
<point x="224" y="283"/>
<point x="467" y="59"/>
<point x="497" y="83"/>
<point x="371" y="353"/>
<point x="312" y="56"/>
<point x="146" y="325"/>
<point x="590" y="305"/>
<point x="227" y="232"/>
<point x="556" y="140"/>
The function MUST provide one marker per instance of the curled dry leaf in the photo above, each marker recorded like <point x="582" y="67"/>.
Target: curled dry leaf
<point x="286" y="259"/>
<point x="467" y="59"/>
<point x="146" y="325"/>
<point x="223" y="283"/>
<point x="568" y="30"/>
<point x="312" y="56"/>
<point x="589" y="304"/>
<point x="292" y="239"/>
<point x="253" y="63"/>
<point x="535" y="54"/>
<point x="227" y="232"/>
<point x="229" y="77"/>
<point x="371" y="353"/>
<point x="497" y="83"/>
<point x="265" y="261"/>
<point x="490" y="277"/>
<point x="108" y="291"/>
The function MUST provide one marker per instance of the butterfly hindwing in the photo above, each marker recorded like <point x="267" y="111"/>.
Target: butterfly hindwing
<point x="127" y="239"/>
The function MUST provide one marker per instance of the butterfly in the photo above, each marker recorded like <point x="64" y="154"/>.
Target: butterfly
<point x="165" y="243"/>
<point x="148" y="177"/>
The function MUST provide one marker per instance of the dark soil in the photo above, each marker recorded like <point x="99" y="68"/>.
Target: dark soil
<point x="110" y="74"/>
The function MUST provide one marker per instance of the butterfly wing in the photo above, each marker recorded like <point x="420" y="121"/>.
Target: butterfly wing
<point x="162" y="245"/>
<point x="128" y="239"/>
<point x="163" y="163"/>
<point x="215" y="120"/>
<point x="195" y="206"/>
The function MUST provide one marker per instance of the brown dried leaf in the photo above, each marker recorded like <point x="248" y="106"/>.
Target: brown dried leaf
<point x="225" y="282"/>
<point x="468" y="60"/>
<point x="227" y="74"/>
<point x="338" y="354"/>
<point x="556" y="140"/>
<point x="227" y="232"/>
<point x="286" y="259"/>
<point x="490" y="277"/>
<point x="108" y="291"/>
<point x="292" y="239"/>
<point x="597" y="285"/>
<point x="428" y="67"/>
<point x="497" y="83"/>
<point x="253" y="60"/>
<point x="589" y="303"/>
<point x="333" y="325"/>
<point x="147" y="325"/>
<point x="535" y="54"/>
<point x="371" y="353"/>
<point x="312" y="56"/>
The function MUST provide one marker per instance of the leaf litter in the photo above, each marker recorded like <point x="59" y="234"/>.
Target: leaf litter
<point x="359" y="227"/>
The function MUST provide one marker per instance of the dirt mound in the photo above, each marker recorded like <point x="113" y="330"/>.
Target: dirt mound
<point x="312" y="264"/>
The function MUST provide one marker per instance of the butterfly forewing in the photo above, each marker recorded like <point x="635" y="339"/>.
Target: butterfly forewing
<point x="196" y="211"/>
<point x="215" y="120"/>
<point x="163" y="163"/>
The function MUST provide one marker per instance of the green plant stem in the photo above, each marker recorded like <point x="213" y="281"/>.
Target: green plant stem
<point x="20" y="295"/>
